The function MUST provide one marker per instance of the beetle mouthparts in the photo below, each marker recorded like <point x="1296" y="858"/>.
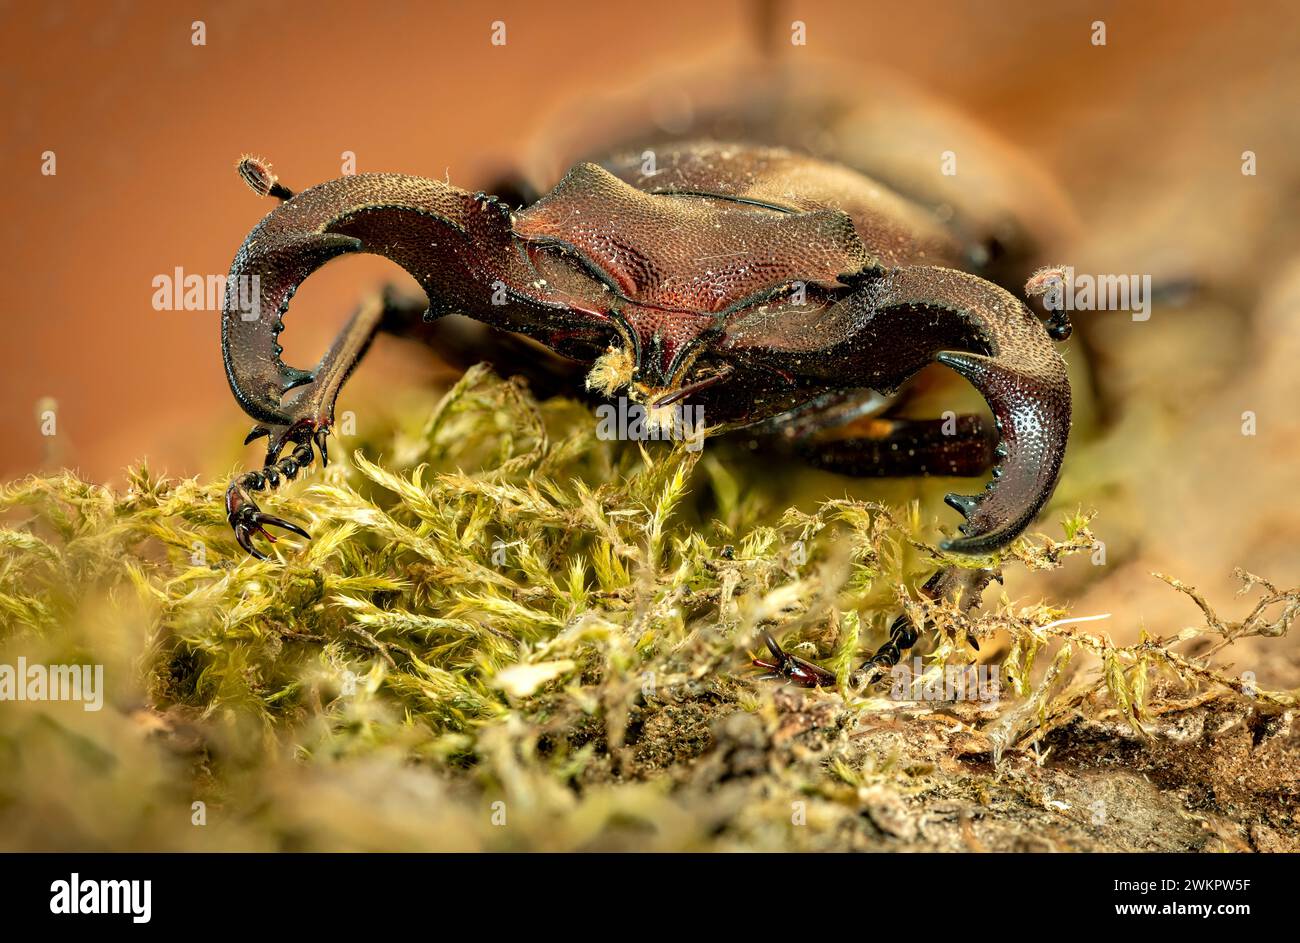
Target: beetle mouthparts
<point x="611" y="371"/>
<point x="690" y="389"/>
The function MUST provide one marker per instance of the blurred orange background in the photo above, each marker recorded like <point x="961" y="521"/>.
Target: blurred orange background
<point x="146" y="128"/>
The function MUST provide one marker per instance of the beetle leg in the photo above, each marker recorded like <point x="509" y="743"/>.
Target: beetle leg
<point x="462" y="343"/>
<point x="824" y="412"/>
<point x="963" y="584"/>
<point x="964" y="446"/>
<point x="245" y="517"/>
<point x="315" y="403"/>
<point x="966" y="585"/>
<point x="903" y="634"/>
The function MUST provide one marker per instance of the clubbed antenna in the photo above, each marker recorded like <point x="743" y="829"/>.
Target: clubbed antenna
<point x="1049" y="284"/>
<point x="256" y="172"/>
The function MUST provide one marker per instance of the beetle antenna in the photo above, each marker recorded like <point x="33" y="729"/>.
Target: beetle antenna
<point x="257" y="173"/>
<point x="1049" y="284"/>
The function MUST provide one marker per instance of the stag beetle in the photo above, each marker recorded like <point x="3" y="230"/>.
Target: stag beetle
<point x="780" y="292"/>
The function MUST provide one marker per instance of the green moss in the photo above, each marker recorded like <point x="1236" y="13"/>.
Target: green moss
<point x="495" y="604"/>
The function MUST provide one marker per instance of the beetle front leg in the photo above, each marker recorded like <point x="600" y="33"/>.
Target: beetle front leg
<point x="313" y="405"/>
<point x="902" y="636"/>
<point x="242" y="512"/>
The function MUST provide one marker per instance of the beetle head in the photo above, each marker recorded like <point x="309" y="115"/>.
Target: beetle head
<point x="678" y="266"/>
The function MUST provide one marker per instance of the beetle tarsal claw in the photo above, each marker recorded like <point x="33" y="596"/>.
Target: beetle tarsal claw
<point x="242" y="512"/>
<point x="247" y="519"/>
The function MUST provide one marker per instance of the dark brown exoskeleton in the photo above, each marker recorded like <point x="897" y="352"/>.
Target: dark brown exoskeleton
<point x="780" y="292"/>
